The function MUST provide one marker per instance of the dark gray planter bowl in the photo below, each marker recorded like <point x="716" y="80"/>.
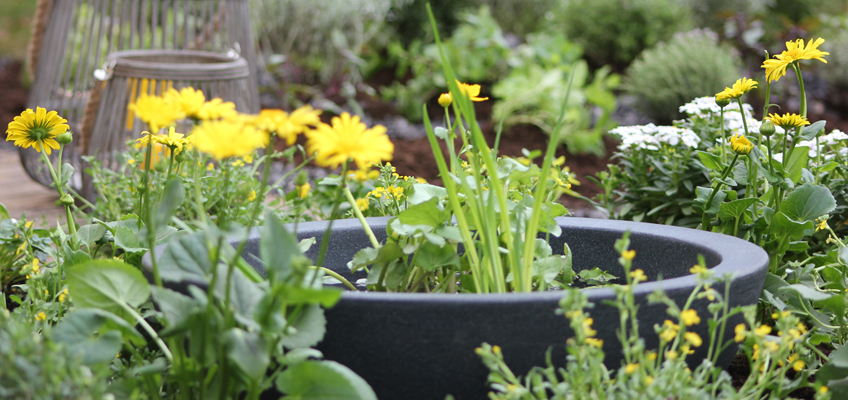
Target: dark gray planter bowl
<point x="421" y="346"/>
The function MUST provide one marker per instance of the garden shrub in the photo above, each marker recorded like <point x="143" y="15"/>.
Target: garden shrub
<point x="521" y="17"/>
<point x="616" y="31"/>
<point x="323" y="38"/>
<point x="689" y="66"/>
<point x="534" y="91"/>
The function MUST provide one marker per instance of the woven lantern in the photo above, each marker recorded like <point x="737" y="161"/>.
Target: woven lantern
<point x="72" y="38"/>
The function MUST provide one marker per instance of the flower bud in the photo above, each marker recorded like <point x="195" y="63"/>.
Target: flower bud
<point x="302" y="178"/>
<point x="66" y="199"/>
<point x="65" y="138"/>
<point x="767" y="128"/>
<point x="445" y="99"/>
<point x="723" y="102"/>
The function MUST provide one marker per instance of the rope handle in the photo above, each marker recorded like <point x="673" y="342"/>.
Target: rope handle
<point x="39" y="28"/>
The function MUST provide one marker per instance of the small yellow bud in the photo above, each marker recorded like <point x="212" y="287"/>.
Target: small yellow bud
<point x="445" y="100"/>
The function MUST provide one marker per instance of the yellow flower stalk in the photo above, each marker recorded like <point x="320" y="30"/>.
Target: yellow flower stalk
<point x="222" y="139"/>
<point x="175" y="141"/>
<point x="157" y="112"/>
<point x="303" y="190"/>
<point x="638" y="275"/>
<point x="363" y="204"/>
<point x="347" y="139"/>
<point x="693" y="338"/>
<point x="37" y="129"/>
<point x="739" y="330"/>
<point x="470" y="91"/>
<point x="631" y="368"/>
<point x="690" y="317"/>
<point x="795" y="51"/>
<point x="788" y="121"/>
<point x="740" y="144"/>
<point x="628" y="254"/>
<point x="739" y="88"/>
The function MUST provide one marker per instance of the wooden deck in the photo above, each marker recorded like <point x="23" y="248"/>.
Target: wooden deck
<point x="20" y="194"/>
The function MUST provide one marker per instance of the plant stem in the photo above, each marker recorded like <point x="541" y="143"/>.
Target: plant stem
<point x="357" y="212"/>
<point x="706" y="219"/>
<point x="59" y="188"/>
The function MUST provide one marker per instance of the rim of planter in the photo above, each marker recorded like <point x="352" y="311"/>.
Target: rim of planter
<point x="735" y="256"/>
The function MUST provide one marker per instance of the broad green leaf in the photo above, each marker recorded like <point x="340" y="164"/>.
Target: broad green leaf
<point x="323" y="380"/>
<point x="85" y="333"/>
<point x="4" y="213"/>
<point x="808" y="202"/>
<point x="309" y="328"/>
<point x="811" y="131"/>
<point x="128" y="240"/>
<point x="506" y="166"/>
<point x="185" y="257"/>
<point x="423" y="192"/>
<point x="797" y="162"/>
<point x="109" y="285"/>
<point x="248" y="352"/>
<point x="278" y="247"/>
<point x="794" y="230"/>
<point x="807" y="292"/>
<point x="173" y="197"/>
<point x="430" y="256"/>
<point x="176" y="307"/>
<point x="427" y="213"/>
<point x="704" y="195"/>
<point x="91" y="233"/>
<point x="244" y="294"/>
<point x="734" y="209"/>
<point x="67" y="173"/>
<point x="710" y="161"/>
<point x="73" y="257"/>
<point x="296" y="294"/>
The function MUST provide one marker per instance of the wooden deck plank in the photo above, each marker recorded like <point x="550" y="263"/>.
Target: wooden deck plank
<point x="19" y="194"/>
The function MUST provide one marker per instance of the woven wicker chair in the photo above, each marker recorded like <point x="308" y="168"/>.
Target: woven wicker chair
<point x="72" y="38"/>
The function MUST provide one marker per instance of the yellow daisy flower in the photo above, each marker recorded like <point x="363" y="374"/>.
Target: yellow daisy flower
<point x="631" y="368"/>
<point x="40" y="316"/>
<point x="189" y="100"/>
<point x="37" y="129"/>
<point x="222" y="139"/>
<point x="216" y="109"/>
<point x="739" y="88"/>
<point x="251" y="196"/>
<point x="594" y="342"/>
<point x="795" y="51"/>
<point x="471" y="91"/>
<point x="740" y="144"/>
<point x="628" y="254"/>
<point x="788" y="121"/>
<point x="175" y="141"/>
<point x="157" y="112"/>
<point x="348" y="138"/>
<point x="288" y="126"/>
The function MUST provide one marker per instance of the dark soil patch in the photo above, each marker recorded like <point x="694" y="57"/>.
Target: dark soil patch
<point x="13" y="95"/>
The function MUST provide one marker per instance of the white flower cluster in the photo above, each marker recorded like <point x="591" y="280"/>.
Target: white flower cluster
<point x="826" y="140"/>
<point x="652" y="137"/>
<point x="706" y="107"/>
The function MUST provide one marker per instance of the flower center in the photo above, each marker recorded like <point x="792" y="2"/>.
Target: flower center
<point x="39" y="133"/>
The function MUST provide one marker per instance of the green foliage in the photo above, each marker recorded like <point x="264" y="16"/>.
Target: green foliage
<point x="663" y="372"/>
<point x="477" y="49"/>
<point x="688" y="66"/>
<point x="323" y="39"/>
<point x="36" y="367"/>
<point x="520" y="17"/>
<point x="532" y="92"/>
<point x="836" y="71"/>
<point x="616" y="31"/>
